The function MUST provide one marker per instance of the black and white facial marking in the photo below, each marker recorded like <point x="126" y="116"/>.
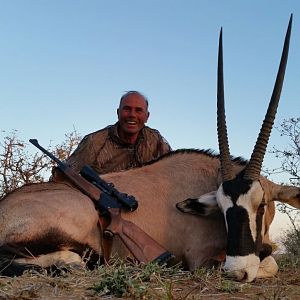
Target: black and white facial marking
<point x="242" y="203"/>
<point x="206" y="207"/>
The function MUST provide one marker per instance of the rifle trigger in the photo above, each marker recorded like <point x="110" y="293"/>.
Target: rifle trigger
<point x="110" y="184"/>
<point x="108" y="234"/>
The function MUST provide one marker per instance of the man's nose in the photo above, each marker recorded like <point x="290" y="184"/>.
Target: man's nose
<point x="132" y="113"/>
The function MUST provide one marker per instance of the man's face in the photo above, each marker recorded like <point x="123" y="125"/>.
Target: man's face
<point x="132" y="114"/>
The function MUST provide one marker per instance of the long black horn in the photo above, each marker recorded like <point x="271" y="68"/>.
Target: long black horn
<point x="226" y="165"/>
<point x="253" y="168"/>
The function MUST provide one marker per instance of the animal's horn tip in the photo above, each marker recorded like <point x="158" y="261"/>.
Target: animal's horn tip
<point x="221" y="36"/>
<point x="290" y="22"/>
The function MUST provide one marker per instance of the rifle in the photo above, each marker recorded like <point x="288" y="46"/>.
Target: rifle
<point x="128" y="202"/>
<point x="110" y="201"/>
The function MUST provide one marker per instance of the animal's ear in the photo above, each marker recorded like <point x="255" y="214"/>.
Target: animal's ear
<point x="205" y="205"/>
<point x="287" y="194"/>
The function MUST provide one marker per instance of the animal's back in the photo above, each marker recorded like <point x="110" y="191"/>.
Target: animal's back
<point x="48" y="216"/>
<point x="158" y="187"/>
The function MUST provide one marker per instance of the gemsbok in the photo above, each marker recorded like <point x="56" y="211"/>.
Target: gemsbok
<point x="53" y="223"/>
<point x="245" y="198"/>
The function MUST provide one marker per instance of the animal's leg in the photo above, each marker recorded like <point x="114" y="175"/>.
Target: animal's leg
<point x="58" y="258"/>
<point x="267" y="268"/>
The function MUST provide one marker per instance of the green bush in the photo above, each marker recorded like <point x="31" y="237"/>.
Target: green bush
<point x="291" y="242"/>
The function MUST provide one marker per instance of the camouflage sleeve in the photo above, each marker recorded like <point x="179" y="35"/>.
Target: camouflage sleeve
<point x="84" y="154"/>
<point x="164" y="146"/>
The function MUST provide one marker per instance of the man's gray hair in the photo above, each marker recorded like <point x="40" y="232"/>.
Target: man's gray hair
<point x="134" y="93"/>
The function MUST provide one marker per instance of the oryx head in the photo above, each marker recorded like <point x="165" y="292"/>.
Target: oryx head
<point x="243" y="197"/>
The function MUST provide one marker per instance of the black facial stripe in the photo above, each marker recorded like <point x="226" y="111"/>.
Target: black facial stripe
<point x="265" y="251"/>
<point x="259" y="221"/>
<point x="240" y="241"/>
<point x="236" y="187"/>
<point x="192" y="207"/>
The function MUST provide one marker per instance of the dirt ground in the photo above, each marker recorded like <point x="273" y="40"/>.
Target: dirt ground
<point x="203" y="284"/>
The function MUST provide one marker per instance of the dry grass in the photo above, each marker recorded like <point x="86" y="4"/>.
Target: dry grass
<point x="151" y="282"/>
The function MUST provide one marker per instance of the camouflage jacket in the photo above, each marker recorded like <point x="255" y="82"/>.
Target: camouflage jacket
<point x="105" y="152"/>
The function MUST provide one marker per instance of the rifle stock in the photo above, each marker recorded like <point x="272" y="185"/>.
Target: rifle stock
<point x="140" y="244"/>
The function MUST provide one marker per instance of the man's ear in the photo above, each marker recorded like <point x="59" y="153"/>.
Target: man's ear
<point x="148" y="114"/>
<point x="205" y="205"/>
<point x="118" y="113"/>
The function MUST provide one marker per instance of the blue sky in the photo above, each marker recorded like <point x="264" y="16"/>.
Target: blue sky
<point x="65" y="63"/>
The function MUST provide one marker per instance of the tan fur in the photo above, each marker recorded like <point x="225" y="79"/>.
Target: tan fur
<point x="61" y="258"/>
<point x="31" y="211"/>
<point x="267" y="268"/>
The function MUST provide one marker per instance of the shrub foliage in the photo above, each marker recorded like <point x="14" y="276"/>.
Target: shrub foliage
<point x="19" y="166"/>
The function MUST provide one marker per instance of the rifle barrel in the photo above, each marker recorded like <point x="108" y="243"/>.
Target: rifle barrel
<point x="36" y="143"/>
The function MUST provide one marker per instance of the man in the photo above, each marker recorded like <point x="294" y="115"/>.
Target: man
<point x="126" y="144"/>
